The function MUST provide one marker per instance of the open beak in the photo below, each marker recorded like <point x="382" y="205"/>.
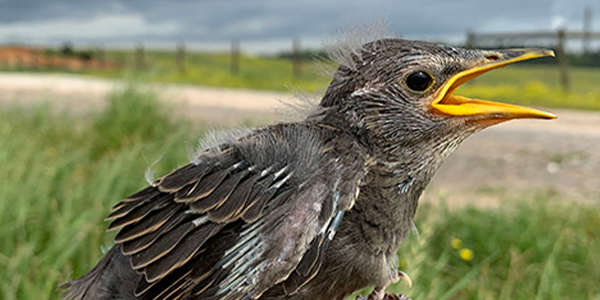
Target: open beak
<point x="449" y="104"/>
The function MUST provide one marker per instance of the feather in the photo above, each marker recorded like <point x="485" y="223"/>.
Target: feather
<point x="205" y="186"/>
<point x="148" y="192"/>
<point x="153" y="221"/>
<point x="161" y="246"/>
<point x="125" y="206"/>
<point x="139" y="211"/>
<point x="122" y="208"/>
<point x="234" y="206"/>
<point x="182" y="253"/>
<point x="178" y="278"/>
<point x="257" y="192"/>
<point x="141" y="243"/>
<point x="182" y="177"/>
<point x="219" y="195"/>
<point x="254" y="212"/>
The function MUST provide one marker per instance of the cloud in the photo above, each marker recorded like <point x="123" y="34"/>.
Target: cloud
<point x="213" y="22"/>
<point x="97" y="28"/>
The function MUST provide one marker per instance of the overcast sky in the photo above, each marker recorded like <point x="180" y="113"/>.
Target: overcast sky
<point x="270" y="24"/>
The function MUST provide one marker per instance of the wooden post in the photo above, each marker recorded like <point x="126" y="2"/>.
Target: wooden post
<point x="563" y="60"/>
<point x="121" y="60"/>
<point x="297" y="58"/>
<point x="470" y="43"/>
<point x="587" y="29"/>
<point x="180" y="58"/>
<point x="139" y="57"/>
<point x="33" y="63"/>
<point x="101" y="57"/>
<point x="235" y="56"/>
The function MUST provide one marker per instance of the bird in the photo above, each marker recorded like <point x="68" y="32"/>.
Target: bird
<point x="310" y="209"/>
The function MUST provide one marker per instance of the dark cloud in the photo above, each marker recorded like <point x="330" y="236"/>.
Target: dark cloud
<point x="220" y="21"/>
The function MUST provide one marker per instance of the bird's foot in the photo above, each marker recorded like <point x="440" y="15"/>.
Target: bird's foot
<point x="397" y="275"/>
<point x="379" y="291"/>
<point x="385" y="297"/>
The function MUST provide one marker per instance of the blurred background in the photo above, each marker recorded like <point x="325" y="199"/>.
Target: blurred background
<point x="93" y="93"/>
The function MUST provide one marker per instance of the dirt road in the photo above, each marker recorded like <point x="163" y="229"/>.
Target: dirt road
<point x="560" y="156"/>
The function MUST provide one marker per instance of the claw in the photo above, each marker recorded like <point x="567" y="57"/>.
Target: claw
<point x="379" y="291"/>
<point x="396" y="297"/>
<point x="404" y="276"/>
<point x="386" y="297"/>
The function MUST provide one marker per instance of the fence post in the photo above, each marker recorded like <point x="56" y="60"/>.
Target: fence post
<point x="235" y="56"/>
<point x="101" y="57"/>
<point x="139" y="57"/>
<point x="121" y="60"/>
<point x="180" y="58"/>
<point x="563" y="60"/>
<point x="297" y="58"/>
<point x="470" y="43"/>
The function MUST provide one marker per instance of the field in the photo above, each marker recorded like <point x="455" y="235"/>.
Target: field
<point x="521" y="83"/>
<point x="536" y="85"/>
<point x="61" y="174"/>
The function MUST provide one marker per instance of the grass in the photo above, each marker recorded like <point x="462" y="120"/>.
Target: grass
<point x="214" y="69"/>
<point x="526" y="84"/>
<point x="60" y="175"/>
<point x="533" y="247"/>
<point x="537" y="85"/>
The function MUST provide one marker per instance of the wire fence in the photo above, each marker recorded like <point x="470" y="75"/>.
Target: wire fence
<point x="558" y="39"/>
<point x="22" y="57"/>
<point x="28" y="58"/>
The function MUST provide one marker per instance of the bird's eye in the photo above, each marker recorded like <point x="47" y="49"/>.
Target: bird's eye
<point x="419" y="81"/>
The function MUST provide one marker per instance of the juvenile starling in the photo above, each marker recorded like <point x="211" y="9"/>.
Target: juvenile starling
<point x="309" y="210"/>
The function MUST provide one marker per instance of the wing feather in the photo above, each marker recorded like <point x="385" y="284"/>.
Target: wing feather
<point x="182" y="253"/>
<point x="232" y="208"/>
<point x="138" y="212"/>
<point x="152" y="222"/>
<point x="141" y="243"/>
<point x="219" y="195"/>
<point x="231" y="226"/>
<point x="175" y="180"/>
<point x="207" y="186"/>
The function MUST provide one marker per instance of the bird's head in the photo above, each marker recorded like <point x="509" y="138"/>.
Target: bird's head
<point x="400" y="93"/>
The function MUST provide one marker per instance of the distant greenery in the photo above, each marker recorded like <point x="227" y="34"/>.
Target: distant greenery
<point x="535" y="246"/>
<point x="214" y="69"/>
<point x="527" y="83"/>
<point x="538" y="86"/>
<point x="60" y="175"/>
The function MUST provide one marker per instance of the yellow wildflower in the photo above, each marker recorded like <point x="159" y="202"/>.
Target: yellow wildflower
<point x="456" y="243"/>
<point x="466" y="254"/>
<point x="51" y="152"/>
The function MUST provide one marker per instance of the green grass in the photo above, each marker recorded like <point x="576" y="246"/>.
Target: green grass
<point x="214" y="69"/>
<point x="60" y="175"/>
<point x="537" y="86"/>
<point x="535" y="246"/>
<point x="526" y="84"/>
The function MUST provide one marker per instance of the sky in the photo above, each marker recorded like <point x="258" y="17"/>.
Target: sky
<point x="270" y="25"/>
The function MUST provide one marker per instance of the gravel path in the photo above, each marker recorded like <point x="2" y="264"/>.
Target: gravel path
<point x="560" y="156"/>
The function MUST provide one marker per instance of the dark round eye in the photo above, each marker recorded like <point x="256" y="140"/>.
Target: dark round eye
<point x="419" y="81"/>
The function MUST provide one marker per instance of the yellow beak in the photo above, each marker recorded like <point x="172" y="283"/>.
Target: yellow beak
<point x="447" y="103"/>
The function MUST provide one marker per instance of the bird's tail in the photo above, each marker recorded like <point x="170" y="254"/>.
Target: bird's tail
<point x="111" y="278"/>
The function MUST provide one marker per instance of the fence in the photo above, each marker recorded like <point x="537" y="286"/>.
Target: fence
<point x="557" y="38"/>
<point x="97" y="58"/>
<point x="19" y="57"/>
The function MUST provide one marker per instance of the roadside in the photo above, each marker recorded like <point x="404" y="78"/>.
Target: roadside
<point x="560" y="156"/>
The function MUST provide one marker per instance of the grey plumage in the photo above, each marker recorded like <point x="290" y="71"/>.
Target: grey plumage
<point x="314" y="209"/>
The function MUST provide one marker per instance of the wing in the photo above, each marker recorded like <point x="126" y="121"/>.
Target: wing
<point x="253" y="213"/>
